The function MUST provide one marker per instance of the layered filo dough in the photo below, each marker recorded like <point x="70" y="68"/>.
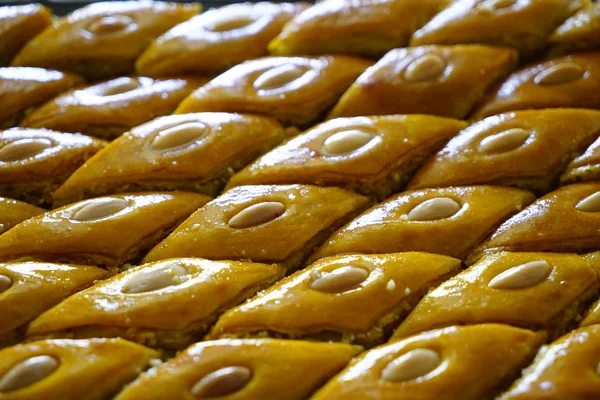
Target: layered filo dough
<point x="586" y="167"/>
<point x="579" y="33"/>
<point x="18" y="25"/>
<point x="440" y="80"/>
<point x="375" y="156"/>
<point x="13" y="212"/>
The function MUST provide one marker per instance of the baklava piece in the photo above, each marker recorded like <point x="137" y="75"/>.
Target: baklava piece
<point x="354" y="299"/>
<point x="18" y="25"/>
<point x="439" y="80"/>
<point x="265" y="369"/>
<point x="107" y="231"/>
<point x="361" y="27"/>
<point x="132" y="304"/>
<point x="110" y="108"/>
<point x="35" y="162"/>
<point x="28" y="289"/>
<point x="217" y="39"/>
<point x="566" y="220"/>
<point x="294" y="90"/>
<point x="450" y="221"/>
<point x="281" y="224"/>
<point x="375" y="156"/>
<point x="578" y="33"/>
<point x="538" y="291"/>
<point x="193" y="152"/>
<point x="592" y="317"/>
<point x="526" y="149"/>
<point x="93" y="369"/>
<point x="586" y="167"/>
<point x="505" y="23"/>
<point x="565" y="369"/>
<point x="455" y="363"/>
<point x="22" y="89"/>
<point x="103" y="39"/>
<point x="569" y="81"/>
<point x="13" y="212"/>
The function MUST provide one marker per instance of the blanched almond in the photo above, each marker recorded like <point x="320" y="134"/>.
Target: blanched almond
<point x="279" y="76"/>
<point x="231" y="24"/>
<point x="559" y="73"/>
<point x="23" y="148"/>
<point x="257" y="214"/>
<point x="589" y="204"/>
<point x="411" y="365"/>
<point x="492" y="5"/>
<point x="346" y="142"/>
<point x="27" y="373"/>
<point x="5" y="283"/>
<point x="155" y="279"/>
<point x="110" y="24"/>
<point x="179" y="136"/>
<point x="119" y="86"/>
<point x="222" y="382"/>
<point x="340" y="279"/>
<point x="432" y="209"/>
<point x="100" y="208"/>
<point x="522" y="276"/>
<point x="425" y="68"/>
<point x="502" y="142"/>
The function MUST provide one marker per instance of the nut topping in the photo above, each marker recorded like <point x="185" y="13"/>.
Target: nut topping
<point x="22" y="149"/>
<point x="346" y="142"/>
<point x="425" y="68"/>
<point x="502" y="142"/>
<point x="589" y="204"/>
<point x="179" y="136"/>
<point x="522" y="276"/>
<point x="257" y="214"/>
<point x="100" y="208"/>
<point x="27" y="373"/>
<point x="5" y="283"/>
<point x="155" y="279"/>
<point x="222" y="382"/>
<point x="279" y="76"/>
<point x="411" y="365"/>
<point x="559" y="73"/>
<point x="110" y="24"/>
<point x="340" y="280"/>
<point x="433" y="209"/>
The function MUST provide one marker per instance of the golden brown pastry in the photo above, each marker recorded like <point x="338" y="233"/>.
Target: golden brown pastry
<point x="132" y="304"/>
<point x="565" y="369"/>
<point x="194" y="152"/>
<point x="264" y="369"/>
<point x="566" y="220"/>
<point x="22" y="89"/>
<point x="586" y="167"/>
<point x="281" y="224"/>
<point x="580" y="32"/>
<point x="456" y="363"/>
<point x="537" y="291"/>
<point x="35" y="162"/>
<point x="592" y="317"/>
<point x="94" y="369"/>
<point x="103" y="39"/>
<point x="353" y="299"/>
<point x="13" y="212"/>
<point x="27" y="289"/>
<point x="450" y="221"/>
<point x="294" y="90"/>
<point x="107" y="231"/>
<point x="361" y="27"/>
<point x="18" y="25"/>
<point x="375" y="156"/>
<point x="523" y="25"/>
<point x="569" y="81"/>
<point x="439" y="80"/>
<point x="110" y="108"/>
<point x="526" y="149"/>
<point x="217" y="39"/>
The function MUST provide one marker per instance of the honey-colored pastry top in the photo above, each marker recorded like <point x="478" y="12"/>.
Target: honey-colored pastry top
<point x="264" y="369"/>
<point x="580" y="32"/>
<point x="586" y="167"/>
<point x="527" y="149"/>
<point x="592" y="317"/>
<point x="18" y="25"/>
<point x="371" y="155"/>
<point x="110" y="108"/>
<point x="566" y="220"/>
<point x="106" y="231"/>
<point x="28" y="289"/>
<point x="456" y="363"/>
<point x="565" y="369"/>
<point x="132" y="304"/>
<point x="358" y="298"/>
<point x="195" y="152"/>
<point x="294" y="90"/>
<point x="450" y="221"/>
<point x="569" y="81"/>
<point x="93" y="369"/>
<point x="441" y="80"/>
<point x="217" y="39"/>
<point x="13" y="212"/>
<point x="34" y="162"/>
<point x="23" y="88"/>
<point x="523" y="25"/>
<point x="537" y="291"/>
<point x="361" y="27"/>
<point x="262" y="223"/>
<point x="103" y="39"/>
